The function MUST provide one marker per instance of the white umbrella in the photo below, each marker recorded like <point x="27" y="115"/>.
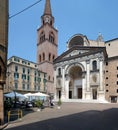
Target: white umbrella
<point x="28" y="94"/>
<point x="14" y="94"/>
<point x="38" y="95"/>
<point x="41" y="94"/>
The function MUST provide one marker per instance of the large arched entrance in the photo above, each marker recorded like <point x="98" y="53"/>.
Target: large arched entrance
<point x="75" y="83"/>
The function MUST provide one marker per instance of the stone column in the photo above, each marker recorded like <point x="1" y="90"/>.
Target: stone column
<point x="88" y="75"/>
<point x="63" y="84"/>
<point x="55" y="80"/>
<point x="83" y="86"/>
<point x="67" y="87"/>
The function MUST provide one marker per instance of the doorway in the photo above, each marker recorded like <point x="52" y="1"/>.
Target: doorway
<point x="59" y="92"/>
<point x="80" y="93"/>
<point x="94" y="93"/>
<point x="70" y="94"/>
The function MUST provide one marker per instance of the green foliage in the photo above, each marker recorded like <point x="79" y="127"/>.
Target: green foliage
<point x="59" y="102"/>
<point x="38" y="103"/>
<point x="8" y="105"/>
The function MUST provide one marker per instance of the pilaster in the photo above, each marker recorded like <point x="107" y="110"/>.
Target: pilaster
<point x="101" y="74"/>
<point x="63" y="83"/>
<point x="88" y="75"/>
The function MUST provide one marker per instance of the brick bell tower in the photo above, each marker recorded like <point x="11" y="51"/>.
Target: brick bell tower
<point x="47" y="46"/>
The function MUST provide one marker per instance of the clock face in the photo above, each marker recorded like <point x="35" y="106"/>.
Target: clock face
<point x="47" y="20"/>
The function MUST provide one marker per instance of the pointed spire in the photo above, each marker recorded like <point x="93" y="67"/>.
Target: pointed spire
<point x="47" y="10"/>
<point x="100" y="38"/>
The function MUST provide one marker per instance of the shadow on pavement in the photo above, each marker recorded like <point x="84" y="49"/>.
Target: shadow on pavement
<point x="15" y="117"/>
<point x="89" y="120"/>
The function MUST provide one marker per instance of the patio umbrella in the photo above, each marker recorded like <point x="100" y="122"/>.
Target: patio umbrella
<point x="41" y="94"/>
<point x="14" y="94"/>
<point x="38" y="95"/>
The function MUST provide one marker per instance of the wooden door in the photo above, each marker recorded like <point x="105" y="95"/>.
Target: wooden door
<point x="80" y="93"/>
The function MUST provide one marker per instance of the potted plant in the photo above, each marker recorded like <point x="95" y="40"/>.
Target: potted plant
<point x="59" y="103"/>
<point x="39" y="105"/>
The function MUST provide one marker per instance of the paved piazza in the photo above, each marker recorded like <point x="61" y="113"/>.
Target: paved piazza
<point x="71" y="116"/>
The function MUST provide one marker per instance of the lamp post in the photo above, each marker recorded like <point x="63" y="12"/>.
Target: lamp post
<point x="8" y="75"/>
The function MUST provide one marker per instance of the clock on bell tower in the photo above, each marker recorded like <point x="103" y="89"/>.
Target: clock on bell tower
<point x="47" y="45"/>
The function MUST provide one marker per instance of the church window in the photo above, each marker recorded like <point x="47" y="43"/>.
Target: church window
<point x="39" y="58"/>
<point x="43" y="56"/>
<point x="94" y="64"/>
<point x="51" y="37"/>
<point x="76" y="41"/>
<point x="49" y="56"/>
<point x="49" y="78"/>
<point x="51" y="22"/>
<point x="53" y="57"/>
<point x="59" y="71"/>
<point x="117" y="82"/>
<point x="42" y="37"/>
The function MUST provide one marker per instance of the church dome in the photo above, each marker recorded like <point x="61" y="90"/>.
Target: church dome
<point x="76" y="40"/>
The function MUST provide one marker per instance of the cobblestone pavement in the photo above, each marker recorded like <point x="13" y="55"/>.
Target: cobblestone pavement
<point x="71" y="116"/>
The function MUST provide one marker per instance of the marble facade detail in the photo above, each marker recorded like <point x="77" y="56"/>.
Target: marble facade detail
<point x="80" y="79"/>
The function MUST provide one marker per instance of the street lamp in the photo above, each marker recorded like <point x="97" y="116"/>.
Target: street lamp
<point x="8" y="74"/>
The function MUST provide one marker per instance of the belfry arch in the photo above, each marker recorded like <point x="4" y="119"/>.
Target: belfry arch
<point x="75" y="88"/>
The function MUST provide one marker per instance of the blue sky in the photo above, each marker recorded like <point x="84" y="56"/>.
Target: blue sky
<point x="87" y="17"/>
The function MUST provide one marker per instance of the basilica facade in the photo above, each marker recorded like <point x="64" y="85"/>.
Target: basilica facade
<point x="80" y="72"/>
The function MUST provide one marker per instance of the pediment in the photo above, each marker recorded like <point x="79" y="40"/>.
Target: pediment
<point x="78" y="51"/>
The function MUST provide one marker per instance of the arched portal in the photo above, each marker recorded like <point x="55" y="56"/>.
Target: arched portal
<point x="75" y="83"/>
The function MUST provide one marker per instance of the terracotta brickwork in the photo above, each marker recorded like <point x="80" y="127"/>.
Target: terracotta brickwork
<point x="47" y="46"/>
<point x="112" y="47"/>
<point x="111" y="81"/>
<point x="3" y="51"/>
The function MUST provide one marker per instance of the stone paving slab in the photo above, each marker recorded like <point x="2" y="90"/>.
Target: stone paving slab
<point x="71" y="116"/>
